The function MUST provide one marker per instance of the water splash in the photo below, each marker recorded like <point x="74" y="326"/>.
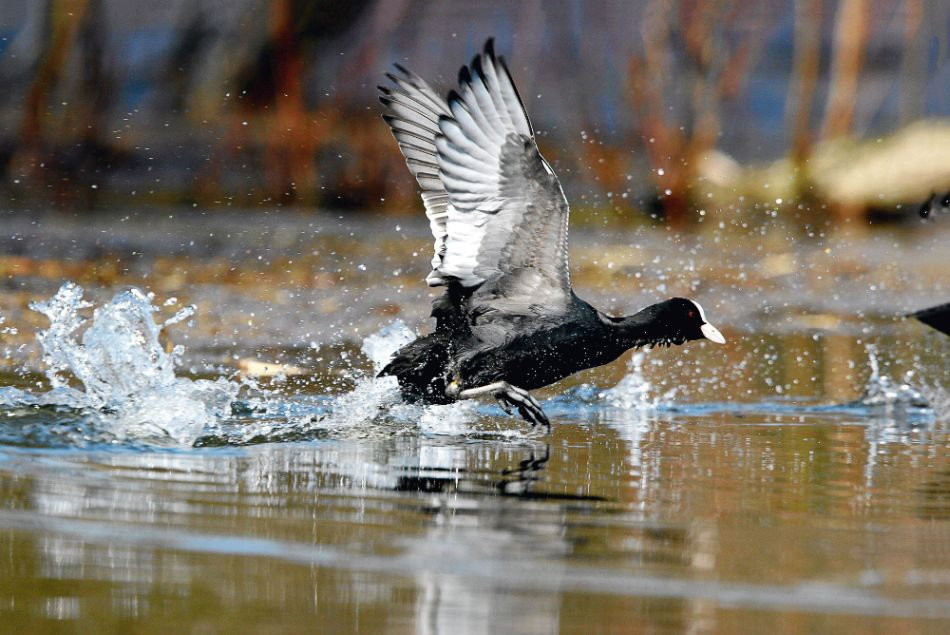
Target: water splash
<point x="372" y="397"/>
<point x="373" y="407"/>
<point x="380" y="347"/>
<point x="635" y="392"/>
<point x="883" y="392"/>
<point x="112" y="382"/>
<point x="378" y="398"/>
<point x="128" y="382"/>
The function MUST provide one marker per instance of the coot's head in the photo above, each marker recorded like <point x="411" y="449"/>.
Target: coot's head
<point x="935" y="203"/>
<point x="682" y="320"/>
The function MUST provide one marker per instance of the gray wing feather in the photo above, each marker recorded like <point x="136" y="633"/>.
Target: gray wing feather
<point x="507" y="211"/>
<point x="495" y="206"/>
<point x="413" y="111"/>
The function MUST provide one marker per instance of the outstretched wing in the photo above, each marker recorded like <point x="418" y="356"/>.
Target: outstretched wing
<point x="506" y="218"/>
<point x="507" y="211"/>
<point x="413" y="112"/>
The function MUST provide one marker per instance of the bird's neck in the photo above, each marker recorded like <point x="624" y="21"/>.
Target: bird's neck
<point x="634" y="331"/>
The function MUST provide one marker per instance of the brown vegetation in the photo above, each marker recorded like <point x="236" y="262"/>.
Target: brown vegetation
<point x="240" y="113"/>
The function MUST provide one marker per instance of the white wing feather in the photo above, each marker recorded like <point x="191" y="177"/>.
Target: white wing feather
<point x="498" y="207"/>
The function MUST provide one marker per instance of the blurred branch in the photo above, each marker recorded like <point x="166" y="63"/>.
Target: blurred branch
<point x="61" y="142"/>
<point x="851" y="30"/>
<point x="804" y="79"/>
<point x="712" y="70"/>
<point x="64" y="18"/>
<point x="911" y="90"/>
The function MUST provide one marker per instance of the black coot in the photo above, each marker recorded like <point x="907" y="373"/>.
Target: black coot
<point x="935" y="204"/>
<point x="508" y="320"/>
<point x="937" y="317"/>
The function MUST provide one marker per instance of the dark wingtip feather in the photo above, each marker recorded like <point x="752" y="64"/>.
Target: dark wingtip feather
<point x="490" y="48"/>
<point x="402" y="69"/>
<point x="453" y="98"/>
<point x="465" y="77"/>
<point x="477" y="67"/>
<point x="385" y="90"/>
<point x="511" y="80"/>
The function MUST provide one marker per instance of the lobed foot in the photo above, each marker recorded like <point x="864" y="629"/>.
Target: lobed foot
<point x="509" y="397"/>
<point x="527" y="406"/>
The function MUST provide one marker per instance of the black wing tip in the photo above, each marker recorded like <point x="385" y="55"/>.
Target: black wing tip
<point x="384" y="90"/>
<point x="497" y="61"/>
<point x="937" y="317"/>
<point x="477" y="67"/>
<point x="453" y="97"/>
<point x="465" y="77"/>
<point x="404" y="77"/>
<point x="939" y="309"/>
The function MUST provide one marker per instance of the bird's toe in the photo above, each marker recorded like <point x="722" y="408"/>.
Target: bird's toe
<point x="503" y="402"/>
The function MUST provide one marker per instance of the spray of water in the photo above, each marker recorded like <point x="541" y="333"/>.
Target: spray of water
<point x="120" y="370"/>
<point x="882" y="391"/>
<point x="372" y="397"/>
<point x="113" y="369"/>
<point x="376" y="398"/>
<point x="635" y="392"/>
<point x="372" y="408"/>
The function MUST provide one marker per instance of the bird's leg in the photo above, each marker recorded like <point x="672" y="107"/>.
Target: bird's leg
<point x="508" y="396"/>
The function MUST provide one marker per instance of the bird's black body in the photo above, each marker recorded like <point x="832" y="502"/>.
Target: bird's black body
<point x="533" y="356"/>
<point x="535" y="352"/>
<point x="509" y="320"/>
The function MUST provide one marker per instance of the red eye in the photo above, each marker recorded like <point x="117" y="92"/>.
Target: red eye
<point x="691" y="314"/>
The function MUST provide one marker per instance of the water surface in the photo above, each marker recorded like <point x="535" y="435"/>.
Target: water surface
<point x="797" y="478"/>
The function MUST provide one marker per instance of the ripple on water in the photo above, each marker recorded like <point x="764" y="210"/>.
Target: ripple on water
<point x="113" y="384"/>
<point x="779" y="504"/>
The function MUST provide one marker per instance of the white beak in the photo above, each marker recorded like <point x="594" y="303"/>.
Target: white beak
<point x="712" y="333"/>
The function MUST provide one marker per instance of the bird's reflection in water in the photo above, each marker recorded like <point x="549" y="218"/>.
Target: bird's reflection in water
<point x="516" y="481"/>
<point x="934" y="496"/>
<point x="487" y="515"/>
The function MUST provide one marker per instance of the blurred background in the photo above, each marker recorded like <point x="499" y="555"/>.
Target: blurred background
<point x="818" y="109"/>
<point x="228" y="159"/>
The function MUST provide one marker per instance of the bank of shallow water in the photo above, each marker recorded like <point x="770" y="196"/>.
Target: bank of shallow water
<point x="788" y="479"/>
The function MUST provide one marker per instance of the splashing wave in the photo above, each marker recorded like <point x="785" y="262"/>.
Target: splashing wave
<point x="128" y="384"/>
<point x="113" y="383"/>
